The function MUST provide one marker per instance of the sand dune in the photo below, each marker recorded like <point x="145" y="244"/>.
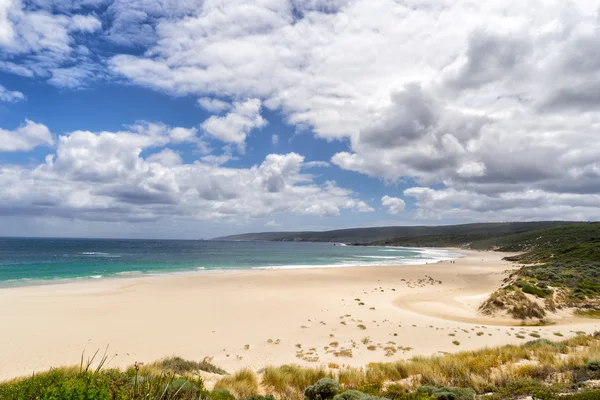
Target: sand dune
<point x="258" y="318"/>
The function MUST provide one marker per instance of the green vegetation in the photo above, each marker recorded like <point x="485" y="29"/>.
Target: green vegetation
<point x="180" y="366"/>
<point x="561" y="269"/>
<point x="540" y="368"/>
<point x="432" y="236"/>
<point x="323" y="389"/>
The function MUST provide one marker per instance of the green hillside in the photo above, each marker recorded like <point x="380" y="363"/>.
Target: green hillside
<point x="561" y="243"/>
<point x="448" y="235"/>
<point x="562" y="270"/>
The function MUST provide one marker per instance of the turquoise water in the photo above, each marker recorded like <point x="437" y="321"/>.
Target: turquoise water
<point x="38" y="261"/>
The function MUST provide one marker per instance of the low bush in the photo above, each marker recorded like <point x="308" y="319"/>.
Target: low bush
<point x="324" y="389"/>
<point x="445" y="393"/>
<point x="181" y="366"/>
<point x="220" y="394"/>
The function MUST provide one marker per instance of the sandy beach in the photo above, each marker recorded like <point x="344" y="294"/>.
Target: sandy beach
<point x="267" y="317"/>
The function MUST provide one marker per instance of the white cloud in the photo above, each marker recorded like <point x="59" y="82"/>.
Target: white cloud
<point x="275" y="140"/>
<point x="10" y="96"/>
<point x="273" y="224"/>
<point x="38" y="42"/>
<point x="213" y="105"/>
<point x="166" y="157"/>
<point x="103" y="176"/>
<point x="182" y="135"/>
<point x="84" y="23"/>
<point x="532" y="205"/>
<point x="393" y="205"/>
<point x="237" y="124"/>
<point x="480" y="106"/>
<point x="503" y="104"/>
<point x="26" y="137"/>
<point x="218" y="159"/>
<point x="73" y="77"/>
<point x="317" y="164"/>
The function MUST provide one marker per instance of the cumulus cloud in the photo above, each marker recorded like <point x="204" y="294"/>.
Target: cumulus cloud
<point x="26" y="137"/>
<point x="10" y="96"/>
<point x="502" y="104"/>
<point x="134" y="22"/>
<point x="213" y="105"/>
<point x="104" y="176"/>
<point x="393" y="205"/>
<point x="236" y="124"/>
<point x="39" y="42"/>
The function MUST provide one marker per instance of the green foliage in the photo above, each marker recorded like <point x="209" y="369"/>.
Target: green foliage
<point x="66" y="384"/>
<point x="534" y="290"/>
<point x="180" y="366"/>
<point x="351" y="395"/>
<point x="525" y="387"/>
<point x="323" y="389"/>
<point x="445" y="393"/>
<point x="587" y="395"/>
<point x="371" y="388"/>
<point x="593" y="365"/>
<point x="221" y="394"/>
<point x="260" y="397"/>
<point x="547" y="343"/>
<point x="447" y="235"/>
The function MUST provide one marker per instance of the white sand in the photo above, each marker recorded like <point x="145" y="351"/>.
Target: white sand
<point x="217" y="314"/>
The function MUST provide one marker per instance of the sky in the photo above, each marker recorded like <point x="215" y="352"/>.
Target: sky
<point x="196" y="119"/>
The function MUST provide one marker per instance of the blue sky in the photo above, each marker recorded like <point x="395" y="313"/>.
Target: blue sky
<point x="186" y="119"/>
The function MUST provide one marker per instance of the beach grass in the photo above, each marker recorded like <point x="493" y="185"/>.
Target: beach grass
<point x="540" y="368"/>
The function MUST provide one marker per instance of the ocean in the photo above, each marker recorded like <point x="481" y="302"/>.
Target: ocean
<point x="37" y="261"/>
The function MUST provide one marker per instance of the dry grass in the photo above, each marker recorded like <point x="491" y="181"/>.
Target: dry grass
<point x="289" y="381"/>
<point x="242" y="384"/>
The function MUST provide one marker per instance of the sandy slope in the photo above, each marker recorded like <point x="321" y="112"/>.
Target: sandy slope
<point x="218" y="314"/>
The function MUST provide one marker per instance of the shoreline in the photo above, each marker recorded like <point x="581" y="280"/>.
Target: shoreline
<point x="452" y="253"/>
<point x="256" y="318"/>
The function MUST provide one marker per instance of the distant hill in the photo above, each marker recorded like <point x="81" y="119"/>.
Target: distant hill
<point x="426" y="236"/>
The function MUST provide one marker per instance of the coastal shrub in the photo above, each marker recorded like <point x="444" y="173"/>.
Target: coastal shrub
<point x="261" y="397"/>
<point x="221" y="394"/>
<point x="547" y="343"/>
<point x="593" y="365"/>
<point x="57" y="384"/>
<point x="351" y="395"/>
<point x="446" y="393"/>
<point x="395" y="391"/>
<point x="323" y="389"/>
<point x="73" y="384"/>
<point x="586" y="395"/>
<point x="371" y="388"/>
<point x="181" y="366"/>
<point x="534" y="290"/>
<point x="590" y="370"/>
<point x="520" y="388"/>
<point x="356" y="395"/>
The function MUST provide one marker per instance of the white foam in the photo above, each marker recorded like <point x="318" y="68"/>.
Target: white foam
<point x="98" y="254"/>
<point x="126" y="273"/>
<point x="382" y="257"/>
